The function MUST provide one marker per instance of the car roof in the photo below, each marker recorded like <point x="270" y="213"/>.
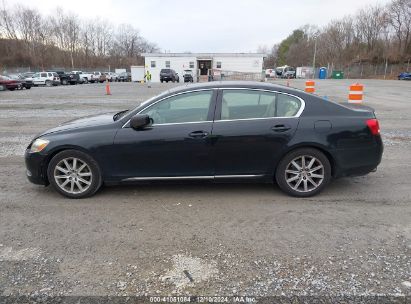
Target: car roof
<point x="237" y="84"/>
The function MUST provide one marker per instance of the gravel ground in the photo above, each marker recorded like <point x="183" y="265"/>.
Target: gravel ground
<point x="203" y="239"/>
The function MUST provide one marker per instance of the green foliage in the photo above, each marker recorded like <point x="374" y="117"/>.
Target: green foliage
<point x="294" y="38"/>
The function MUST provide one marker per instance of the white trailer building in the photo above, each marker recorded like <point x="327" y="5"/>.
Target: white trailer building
<point x="204" y="65"/>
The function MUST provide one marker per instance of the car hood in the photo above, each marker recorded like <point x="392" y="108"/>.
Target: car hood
<point x="89" y="121"/>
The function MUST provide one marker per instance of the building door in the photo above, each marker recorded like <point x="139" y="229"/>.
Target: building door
<point x="204" y="70"/>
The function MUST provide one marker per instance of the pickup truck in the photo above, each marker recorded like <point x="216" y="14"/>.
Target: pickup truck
<point x="84" y="76"/>
<point x="98" y="77"/>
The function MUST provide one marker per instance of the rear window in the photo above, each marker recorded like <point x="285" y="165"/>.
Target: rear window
<point x="249" y="104"/>
<point x="165" y="71"/>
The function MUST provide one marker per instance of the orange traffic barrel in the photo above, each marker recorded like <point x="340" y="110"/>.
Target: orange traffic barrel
<point x="310" y="86"/>
<point x="356" y="93"/>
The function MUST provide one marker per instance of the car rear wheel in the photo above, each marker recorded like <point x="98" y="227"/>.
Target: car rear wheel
<point x="303" y="172"/>
<point x="48" y="83"/>
<point x="74" y="174"/>
<point x="64" y="82"/>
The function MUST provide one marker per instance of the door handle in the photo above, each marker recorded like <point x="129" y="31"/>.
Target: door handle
<point x="198" y="134"/>
<point x="280" y="128"/>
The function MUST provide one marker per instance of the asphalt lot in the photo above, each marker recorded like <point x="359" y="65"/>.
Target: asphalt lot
<point x="233" y="239"/>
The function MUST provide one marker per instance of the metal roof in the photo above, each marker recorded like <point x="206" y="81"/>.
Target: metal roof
<point x="204" y="55"/>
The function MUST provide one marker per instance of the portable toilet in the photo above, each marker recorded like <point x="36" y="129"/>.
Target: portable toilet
<point x="322" y="74"/>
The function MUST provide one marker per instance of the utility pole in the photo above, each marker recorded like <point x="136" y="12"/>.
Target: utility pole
<point x="315" y="54"/>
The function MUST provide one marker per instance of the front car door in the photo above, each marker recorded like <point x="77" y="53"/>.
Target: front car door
<point x="251" y="129"/>
<point x="177" y="144"/>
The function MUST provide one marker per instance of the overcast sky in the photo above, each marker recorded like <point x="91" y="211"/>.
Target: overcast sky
<point x="209" y="25"/>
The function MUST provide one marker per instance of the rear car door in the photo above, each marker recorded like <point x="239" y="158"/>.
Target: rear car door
<point x="177" y="144"/>
<point x="251" y="129"/>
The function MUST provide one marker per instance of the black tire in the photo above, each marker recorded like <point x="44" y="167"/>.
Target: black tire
<point x="282" y="176"/>
<point x="161" y="80"/>
<point x="96" y="180"/>
<point x="48" y="83"/>
<point x="85" y="80"/>
<point x="64" y="82"/>
<point x="28" y="87"/>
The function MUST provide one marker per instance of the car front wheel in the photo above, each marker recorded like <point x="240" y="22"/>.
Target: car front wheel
<point x="74" y="174"/>
<point x="303" y="172"/>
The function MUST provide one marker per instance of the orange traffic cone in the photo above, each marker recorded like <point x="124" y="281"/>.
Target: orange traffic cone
<point x="108" y="88"/>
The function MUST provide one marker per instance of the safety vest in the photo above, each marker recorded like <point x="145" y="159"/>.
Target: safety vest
<point x="148" y="75"/>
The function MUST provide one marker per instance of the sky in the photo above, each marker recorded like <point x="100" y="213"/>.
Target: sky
<point x="209" y="25"/>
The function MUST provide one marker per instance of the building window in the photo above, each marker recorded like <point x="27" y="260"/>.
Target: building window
<point x="191" y="64"/>
<point x="167" y="64"/>
<point x="218" y="64"/>
<point x="153" y="64"/>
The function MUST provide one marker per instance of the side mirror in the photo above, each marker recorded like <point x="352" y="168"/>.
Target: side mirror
<point x="140" y="121"/>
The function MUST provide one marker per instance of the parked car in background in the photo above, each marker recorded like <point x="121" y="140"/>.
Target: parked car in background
<point x="64" y="78"/>
<point x="288" y="72"/>
<point x="74" y="78"/>
<point x="110" y="76"/>
<point x="27" y="75"/>
<point x="98" y="77"/>
<point x="259" y="132"/>
<point x="7" y="83"/>
<point x="270" y="73"/>
<point x="45" y="78"/>
<point x="85" y="77"/>
<point x="124" y="77"/>
<point x="24" y="83"/>
<point x="169" y="75"/>
<point x="404" y="76"/>
<point x="188" y="76"/>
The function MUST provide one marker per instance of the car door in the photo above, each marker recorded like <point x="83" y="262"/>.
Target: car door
<point x="37" y="78"/>
<point x="177" y="144"/>
<point x="251" y="129"/>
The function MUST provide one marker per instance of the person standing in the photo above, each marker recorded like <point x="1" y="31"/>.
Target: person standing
<point x="147" y="76"/>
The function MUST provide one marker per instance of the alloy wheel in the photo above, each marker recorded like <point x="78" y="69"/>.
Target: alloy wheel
<point x="73" y="175"/>
<point x="304" y="173"/>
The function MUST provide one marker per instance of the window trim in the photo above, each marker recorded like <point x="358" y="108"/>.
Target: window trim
<point x="189" y="64"/>
<point x="216" y="103"/>
<point x="218" y="63"/>
<point x="220" y="97"/>
<point x="169" y="64"/>
<point x="213" y="104"/>
<point x="151" y="63"/>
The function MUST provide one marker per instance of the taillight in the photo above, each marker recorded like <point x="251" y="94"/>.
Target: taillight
<point x="374" y="126"/>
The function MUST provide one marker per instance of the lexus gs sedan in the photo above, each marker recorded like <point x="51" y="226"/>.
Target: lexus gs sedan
<point x="218" y="131"/>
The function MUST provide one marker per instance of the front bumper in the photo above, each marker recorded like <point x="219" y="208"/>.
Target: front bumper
<point x="35" y="168"/>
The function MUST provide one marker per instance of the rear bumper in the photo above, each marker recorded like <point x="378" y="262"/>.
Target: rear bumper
<point x="35" y="168"/>
<point x="357" y="162"/>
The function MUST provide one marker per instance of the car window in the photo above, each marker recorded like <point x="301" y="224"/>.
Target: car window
<point x="244" y="104"/>
<point x="43" y="75"/>
<point x="287" y="106"/>
<point x="248" y="104"/>
<point x="188" y="107"/>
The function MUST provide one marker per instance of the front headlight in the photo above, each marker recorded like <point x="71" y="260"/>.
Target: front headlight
<point x="38" y="145"/>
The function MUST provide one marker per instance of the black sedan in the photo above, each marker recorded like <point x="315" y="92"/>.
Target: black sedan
<point x="220" y="131"/>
